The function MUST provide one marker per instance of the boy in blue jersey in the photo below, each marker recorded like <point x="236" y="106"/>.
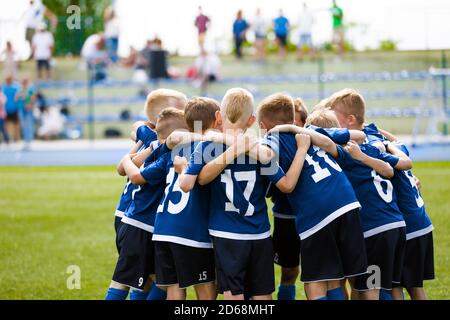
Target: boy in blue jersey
<point x="419" y="258"/>
<point x="238" y="222"/>
<point x="326" y="208"/>
<point x="349" y="108"/>
<point x="383" y="223"/>
<point x="286" y="242"/>
<point x="136" y="259"/>
<point x="278" y="107"/>
<point x="156" y="101"/>
<point x="183" y="247"/>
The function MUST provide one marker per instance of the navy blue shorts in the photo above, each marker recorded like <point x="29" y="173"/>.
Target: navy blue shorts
<point x="185" y="265"/>
<point x="136" y="260"/>
<point x="244" y="266"/>
<point x="385" y="252"/>
<point x="286" y="243"/>
<point x="419" y="262"/>
<point x="336" y="251"/>
<point x="117" y="224"/>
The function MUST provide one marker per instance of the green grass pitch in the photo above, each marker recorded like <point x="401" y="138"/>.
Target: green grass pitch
<point x="51" y="218"/>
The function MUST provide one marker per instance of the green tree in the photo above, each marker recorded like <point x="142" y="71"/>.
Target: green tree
<point x="70" y="41"/>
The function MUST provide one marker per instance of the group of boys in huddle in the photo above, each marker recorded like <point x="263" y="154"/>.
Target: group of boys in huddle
<point x="193" y="212"/>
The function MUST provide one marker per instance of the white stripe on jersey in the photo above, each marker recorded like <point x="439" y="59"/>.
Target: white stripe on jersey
<point x="119" y="213"/>
<point x="336" y="214"/>
<point x="182" y="241"/>
<point x="137" y="224"/>
<point x="239" y="236"/>
<point x="419" y="233"/>
<point x="384" y="228"/>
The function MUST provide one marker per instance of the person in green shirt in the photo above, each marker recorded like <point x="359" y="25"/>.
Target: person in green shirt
<point x="338" y="27"/>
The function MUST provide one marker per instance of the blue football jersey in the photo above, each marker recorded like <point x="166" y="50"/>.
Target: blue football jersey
<point x="322" y="193"/>
<point x="146" y="197"/>
<point x="238" y="208"/>
<point x="372" y="133"/>
<point x="379" y="211"/>
<point x="182" y="217"/>
<point x="147" y="136"/>
<point x="281" y="207"/>
<point x="410" y="202"/>
<point x="409" y="199"/>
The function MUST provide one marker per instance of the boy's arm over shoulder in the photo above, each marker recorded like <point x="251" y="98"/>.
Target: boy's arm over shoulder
<point x="189" y="170"/>
<point x="317" y="139"/>
<point x="180" y="137"/>
<point x="403" y="163"/>
<point x="381" y="167"/>
<point x="134" y="149"/>
<point x="213" y="168"/>
<point x="288" y="182"/>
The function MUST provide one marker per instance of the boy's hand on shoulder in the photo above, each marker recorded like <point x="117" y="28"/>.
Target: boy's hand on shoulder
<point x="179" y="163"/>
<point x="303" y="141"/>
<point x="353" y="149"/>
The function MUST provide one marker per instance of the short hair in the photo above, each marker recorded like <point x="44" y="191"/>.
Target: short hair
<point x="300" y="108"/>
<point x="323" y="118"/>
<point x="349" y="102"/>
<point x="237" y="105"/>
<point x="322" y="104"/>
<point x="169" y="120"/>
<point x="277" y="109"/>
<point x="203" y="110"/>
<point x="159" y="99"/>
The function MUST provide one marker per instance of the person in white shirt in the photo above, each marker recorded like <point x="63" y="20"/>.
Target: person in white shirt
<point x="111" y="33"/>
<point x="208" y="69"/>
<point x="95" y="55"/>
<point x="34" y="16"/>
<point x="305" y="24"/>
<point x="259" y="26"/>
<point x="42" y="45"/>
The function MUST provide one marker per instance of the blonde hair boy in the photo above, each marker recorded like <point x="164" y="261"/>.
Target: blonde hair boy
<point x="349" y="106"/>
<point x="159" y="99"/>
<point x="237" y="109"/>
<point x="323" y="118"/>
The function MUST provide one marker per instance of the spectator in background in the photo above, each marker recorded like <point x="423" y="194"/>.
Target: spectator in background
<point x="338" y="27"/>
<point x="207" y="66"/>
<point x="26" y="100"/>
<point x="3" y="132"/>
<point x="52" y="123"/>
<point x="9" y="58"/>
<point x="281" y="29"/>
<point x="11" y="90"/>
<point x="240" y="27"/>
<point x="259" y="26"/>
<point x="111" y="33"/>
<point x="305" y="23"/>
<point x="42" y="45"/>
<point x="94" y="54"/>
<point x="34" y="17"/>
<point x="202" y="23"/>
